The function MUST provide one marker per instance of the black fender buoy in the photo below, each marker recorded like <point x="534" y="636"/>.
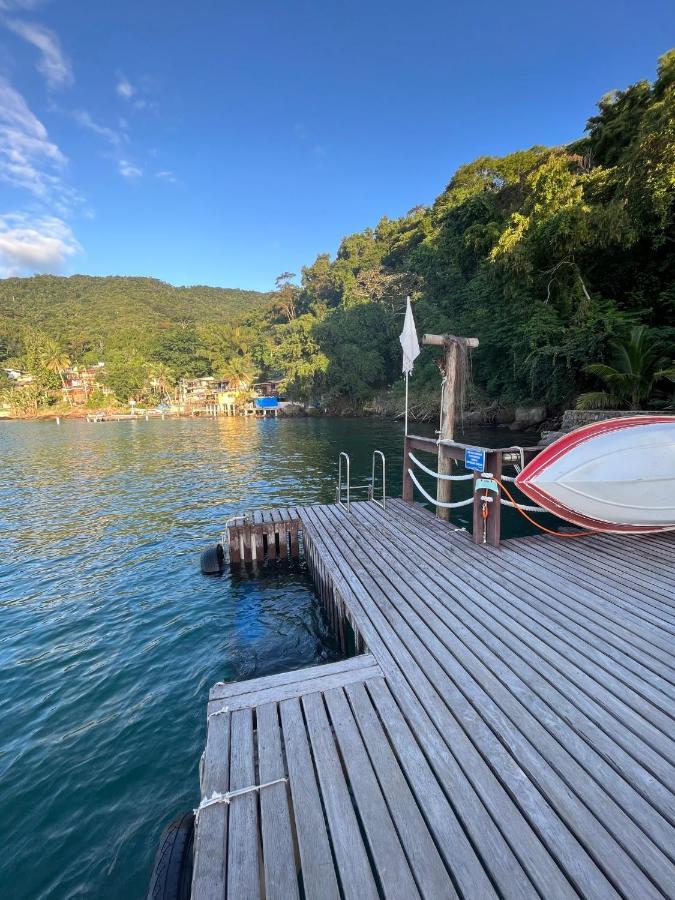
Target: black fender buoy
<point x="212" y="560"/>
<point x="172" y="872"/>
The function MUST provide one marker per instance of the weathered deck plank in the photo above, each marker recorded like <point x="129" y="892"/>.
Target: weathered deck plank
<point x="470" y="733"/>
<point x="243" y="855"/>
<point x="391" y="864"/>
<point x="472" y="629"/>
<point x="318" y="873"/>
<point x="507" y="859"/>
<point x="211" y="841"/>
<point x="429" y="871"/>
<point x="344" y="667"/>
<point x="509" y="732"/>
<point x="356" y="876"/>
<point x="540" y="754"/>
<point x="281" y="881"/>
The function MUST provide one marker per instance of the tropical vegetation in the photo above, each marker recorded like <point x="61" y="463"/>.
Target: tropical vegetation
<point x="554" y="257"/>
<point x="632" y="381"/>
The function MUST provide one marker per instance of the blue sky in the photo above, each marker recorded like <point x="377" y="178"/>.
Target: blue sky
<point x="225" y="141"/>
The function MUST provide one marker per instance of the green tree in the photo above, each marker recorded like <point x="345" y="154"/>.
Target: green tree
<point x="360" y="343"/>
<point x="38" y="351"/>
<point x="55" y="360"/>
<point x="638" y="365"/>
<point x="178" y="348"/>
<point x="298" y="354"/>
<point x="126" y="374"/>
<point x="229" y="350"/>
<point x="160" y="380"/>
<point x="286" y="297"/>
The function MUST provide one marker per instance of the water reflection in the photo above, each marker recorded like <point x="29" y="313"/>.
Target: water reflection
<point x="110" y="637"/>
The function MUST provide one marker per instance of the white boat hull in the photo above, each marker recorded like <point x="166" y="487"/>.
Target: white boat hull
<point x="616" y="475"/>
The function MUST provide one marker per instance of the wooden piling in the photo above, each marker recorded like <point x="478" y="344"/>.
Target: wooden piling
<point x="265" y="534"/>
<point x="449" y="399"/>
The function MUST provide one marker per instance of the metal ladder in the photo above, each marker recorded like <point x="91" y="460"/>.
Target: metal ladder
<point x="343" y="490"/>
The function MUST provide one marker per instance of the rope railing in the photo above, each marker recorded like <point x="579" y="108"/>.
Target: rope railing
<point x="523" y="506"/>
<point x="433" y="499"/>
<point x="431" y="472"/>
<point x="535" y="509"/>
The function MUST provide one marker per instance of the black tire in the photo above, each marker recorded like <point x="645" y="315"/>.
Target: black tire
<point x="212" y="561"/>
<point x="172" y="872"/>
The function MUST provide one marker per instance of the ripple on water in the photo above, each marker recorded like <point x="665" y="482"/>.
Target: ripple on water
<point x="110" y="638"/>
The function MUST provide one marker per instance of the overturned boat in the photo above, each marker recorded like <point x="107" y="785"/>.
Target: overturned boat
<point x="617" y="475"/>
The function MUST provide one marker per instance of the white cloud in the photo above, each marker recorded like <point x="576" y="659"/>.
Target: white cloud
<point x="125" y="88"/>
<point x="83" y="118"/>
<point x="136" y="95"/>
<point x="53" y="64"/>
<point x="117" y="139"/>
<point x="34" y="244"/>
<point x="7" y="5"/>
<point x="128" y="170"/>
<point x="14" y="111"/>
<point x="166" y="175"/>
<point x="28" y="159"/>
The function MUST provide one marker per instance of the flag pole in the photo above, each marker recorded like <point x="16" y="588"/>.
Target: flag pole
<point x="406" y="404"/>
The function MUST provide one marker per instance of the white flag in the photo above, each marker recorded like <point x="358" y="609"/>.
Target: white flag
<point x="409" y="342"/>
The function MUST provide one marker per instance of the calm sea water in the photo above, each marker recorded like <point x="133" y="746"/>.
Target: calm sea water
<point x="110" y="637"/>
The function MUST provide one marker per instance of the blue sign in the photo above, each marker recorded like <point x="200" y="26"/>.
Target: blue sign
<point x="474" y="458"/>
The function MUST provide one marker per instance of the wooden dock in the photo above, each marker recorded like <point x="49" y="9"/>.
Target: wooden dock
<point x="507" y="731"/>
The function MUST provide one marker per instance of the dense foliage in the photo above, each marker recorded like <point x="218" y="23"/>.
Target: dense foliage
<point x="550" y="256"/>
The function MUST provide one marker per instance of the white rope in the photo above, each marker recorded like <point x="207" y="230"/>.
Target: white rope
<point x="523" y="506"/>
<point x="438" y="474"/>
<point x="433" y="500"/>
<point x="508" y="478"/>
<point x="228" y="795"/>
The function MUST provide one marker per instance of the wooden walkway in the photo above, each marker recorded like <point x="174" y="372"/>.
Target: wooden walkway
<point x="509" y="731"/>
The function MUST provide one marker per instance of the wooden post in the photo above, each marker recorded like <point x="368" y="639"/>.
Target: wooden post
<point x="494" y="525"/>
<point x="477" y="512"/>
<point x="493" y="466"/>
<point x="448" y="402"/>
<point x="448" y="409"/>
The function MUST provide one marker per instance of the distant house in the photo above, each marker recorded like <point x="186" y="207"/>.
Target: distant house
<point x="196" y="391"/>
<point x="268" y="388"/>
<point x="81" y="382"/>
<point x="209" y="394"/>
<point x="19" y="378"/>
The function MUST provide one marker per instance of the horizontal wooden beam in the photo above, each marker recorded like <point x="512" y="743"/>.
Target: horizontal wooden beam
<point x="440" y="340"/>
<point x="415" y="442"/>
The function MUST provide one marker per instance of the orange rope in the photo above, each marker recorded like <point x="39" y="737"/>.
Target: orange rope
<point x="560" y="534"/>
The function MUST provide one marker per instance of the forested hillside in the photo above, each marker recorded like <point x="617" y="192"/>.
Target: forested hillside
<point x="550" y="256"/>
<point x="555" y="258"/>
<point x="86" y="313"/>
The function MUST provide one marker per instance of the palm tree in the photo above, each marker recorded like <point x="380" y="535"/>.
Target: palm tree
<point x="637" y="366"/>
<point x="161" y="380"/>
<point x="58" y="361"/>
